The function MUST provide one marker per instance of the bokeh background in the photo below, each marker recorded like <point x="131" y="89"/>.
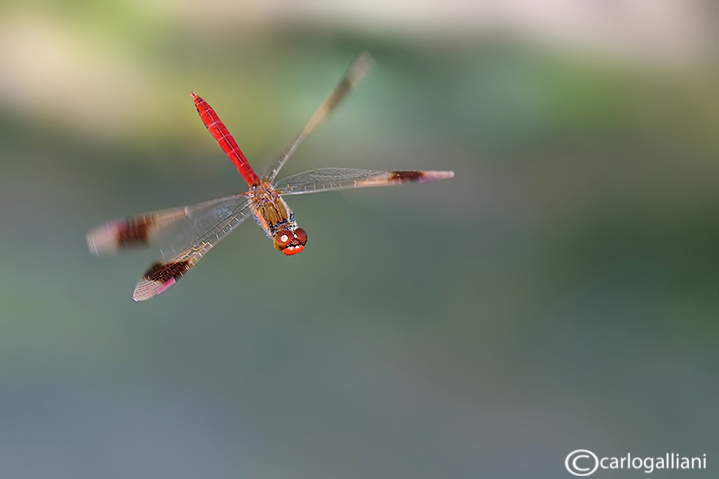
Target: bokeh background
<point x="561" y="292"/>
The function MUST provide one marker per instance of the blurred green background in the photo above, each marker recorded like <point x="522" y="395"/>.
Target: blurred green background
<point x="560" y="292"/>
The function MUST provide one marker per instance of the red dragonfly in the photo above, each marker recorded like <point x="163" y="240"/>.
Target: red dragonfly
<point x="188" y="233"/>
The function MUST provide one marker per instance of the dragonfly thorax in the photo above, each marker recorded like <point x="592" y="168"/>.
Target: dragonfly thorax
<point x="276" y="218"/>
<point x="270" y="210"/>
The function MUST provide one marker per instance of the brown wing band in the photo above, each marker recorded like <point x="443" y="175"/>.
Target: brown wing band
<point x="135" y="232"/>
<point x="163" y="272"/>
<point x="406" y="176"/>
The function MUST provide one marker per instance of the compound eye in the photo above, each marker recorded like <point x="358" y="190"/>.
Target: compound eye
<point x="282" y="239"/>
<point x="301" y="236"/>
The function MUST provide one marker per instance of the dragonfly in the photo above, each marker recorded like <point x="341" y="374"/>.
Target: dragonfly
<point x="187" y="233"/>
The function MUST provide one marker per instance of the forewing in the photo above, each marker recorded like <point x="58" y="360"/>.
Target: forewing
<point x="169" y="228"/>
<point x="356" y="72"/>
<point x="327" y="179"/>
<point x="219" y="221"/>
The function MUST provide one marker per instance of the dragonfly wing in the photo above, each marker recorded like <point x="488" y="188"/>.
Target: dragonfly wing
<point x="327" y="179"/>
<point x="356" y="72"/>
<point x="217" y="223"/>
<point x="162" y="226"/>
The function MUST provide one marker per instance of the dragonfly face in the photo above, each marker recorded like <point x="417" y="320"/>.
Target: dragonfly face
<point x="290" y="242"/>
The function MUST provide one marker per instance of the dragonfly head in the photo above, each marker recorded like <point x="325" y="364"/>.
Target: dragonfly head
<point x="290" y="242"/>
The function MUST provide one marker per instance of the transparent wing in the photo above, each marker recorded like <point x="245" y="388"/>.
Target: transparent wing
<point x="356" y="72"/>
<point x="188" y="249"/>
<point x="327" y="179"/>
<point x="173" y="229"/>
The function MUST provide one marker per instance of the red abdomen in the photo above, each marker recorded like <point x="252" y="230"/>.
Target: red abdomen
<point x="223" y="137"/>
